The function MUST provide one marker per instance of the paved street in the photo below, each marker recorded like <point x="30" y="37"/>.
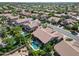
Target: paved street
<point x="65" y="32"/>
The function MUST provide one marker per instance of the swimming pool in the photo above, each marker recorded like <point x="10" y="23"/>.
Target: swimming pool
<point x="35" y="45"/>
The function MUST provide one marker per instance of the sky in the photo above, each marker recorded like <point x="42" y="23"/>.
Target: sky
<point x="39" y="0"/>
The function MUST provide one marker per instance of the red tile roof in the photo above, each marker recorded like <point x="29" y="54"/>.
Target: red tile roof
<point x="65" y="49"/>
<point x="45" y="35"/>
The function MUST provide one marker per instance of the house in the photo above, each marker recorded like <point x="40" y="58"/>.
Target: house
<point x="18" y="9"/>
<point x="54" y="19"/>
<point x="35" y="11"/>
<point x="67" y="48"/>
<point x="77" y="17"/>
<point x="72" y="13"/>
<point x="35" y="23"/>
<point x="41" y="12"/>
<point x="68" y="21"/>
<point x="59" y="15"/>
<point x="44" y="17"/>
<point x="25" y="13"/>
<point x="34" y="14"/>
<point x="29" y="23"/>
<point x="46" y="34"/>
<point x="11" y="17"/>
<point x="7" y="11"/>
<point x="23" y="21"/>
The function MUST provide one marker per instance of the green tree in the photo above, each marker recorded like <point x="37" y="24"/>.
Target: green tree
<point x="75" y="26"/>
<point x="35" y="53"/>
<point x="9" y="41"/>
<point x="42" y="52"/>
<point x="3" y="19"/>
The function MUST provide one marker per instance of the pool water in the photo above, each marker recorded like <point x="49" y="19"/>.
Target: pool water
<point x="35" y="45"/>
